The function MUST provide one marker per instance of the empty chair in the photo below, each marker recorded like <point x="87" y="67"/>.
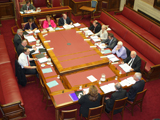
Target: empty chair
<point x="68" y="114"/>
<point x="118" y="104"/>
<point x="138" y="100"/>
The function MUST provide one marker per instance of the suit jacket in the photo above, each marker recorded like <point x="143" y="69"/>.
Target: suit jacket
<point x="17" y="40"/>
<point x="112" y="44"/>
<point x="20" y="49"/>
<point x="24" y="7"/>
<point x="61" y="21"/>
<point x="115" y="96"/>
<point x="46" y="25"/>
<point x="136" y="63"/>
<point x="27" y="26"/>
<point x="86" y="104"/>
<point x="97" y="29"/>
<point x="137" y="87"/>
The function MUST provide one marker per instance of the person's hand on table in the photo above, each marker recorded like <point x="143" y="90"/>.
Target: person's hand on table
<point x="99" y="43"/>
<point x="35" y="48"/>
<point x="117" y="48"/>
<point x="131" y="69"/>
<point x="33" y="67"/>
<point x="71" y="23"/>
<point x="84" y="92"/>
<point x="122" y="62"/>
<point x="103" y="44"/>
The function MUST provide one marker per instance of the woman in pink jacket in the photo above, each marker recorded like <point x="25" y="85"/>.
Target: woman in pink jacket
<point x="48" y="23"/>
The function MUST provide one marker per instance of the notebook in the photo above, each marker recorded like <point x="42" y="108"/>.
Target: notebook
<point x="40" y="56"/>
<point x="73" y="96"/>
<point x="42" y="50"/>
<point x="47" y="70"/>
<point x="52" y="84"/>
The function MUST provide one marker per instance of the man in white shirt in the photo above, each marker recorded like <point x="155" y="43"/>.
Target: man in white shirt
<point x="26" y="62"/>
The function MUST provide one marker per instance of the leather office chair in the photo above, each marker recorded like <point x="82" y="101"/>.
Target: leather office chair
<point x="138" y="100"/>
<point x="68" y="114"/>
<point x="41" y="22"/>
<point x="94" y="113"/>
<point x="45" y="93"/>
<point x="91" y="9"/>
<point x="118" y="104"/>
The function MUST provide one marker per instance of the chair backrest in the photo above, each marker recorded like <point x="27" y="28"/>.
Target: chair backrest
<point x="39" y="3"/>
<point x="119" y="104"/>
<point x="143" y="65"/>
<point x="55" y="3"/>
<point x="57" y="19"/>
<point x="95" y="112"/>
<point x="41" y="22"/>
<point x="69" y="114"/>
<point x="128" y="52"/>
<point x="94" y="4"/>
<point x="139" y="97"/>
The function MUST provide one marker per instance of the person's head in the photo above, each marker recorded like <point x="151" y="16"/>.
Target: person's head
<point x="119" y="44"/>
<point x="133" y="54"/>
<point x="48" y="18"/>
<point x="95" y="23"/>
<point x="103" y="27"/>
<point x="110" y="36"/>
<point x="26" y="51"/>
<point x="118" y="86"/>
<point x="93" y="93"/>
<point x="30" y="21"/>
<point x="27" y="3"/>
<point x="64" y="16"/>
<point x="24" y="43"/>
<point x="137" y="76"/>
<point x="20" y="32"/>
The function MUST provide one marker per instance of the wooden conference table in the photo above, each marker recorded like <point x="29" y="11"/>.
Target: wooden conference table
<point x="74" y="74"/>
<point x="46" y="11"/>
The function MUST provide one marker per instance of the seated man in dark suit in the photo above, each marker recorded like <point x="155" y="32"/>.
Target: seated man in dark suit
<point x="27" y="64"/>
<point x="64" y="20"/>
<point x="18" y="38"/>
<point x="26" y="8"/>
<point x="95" y="27"/>
<point x="119" y="94"/>
<point x="134" y="61"/>
<point x="21" y="47"/>
<point x="111" y="41"/>
<point x="137" y="87"/>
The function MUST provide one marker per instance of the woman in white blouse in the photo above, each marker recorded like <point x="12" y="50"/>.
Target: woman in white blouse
<point x="103" y="33"/>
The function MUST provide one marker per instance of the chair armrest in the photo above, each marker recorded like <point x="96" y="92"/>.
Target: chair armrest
<point x="154" y="72"/>
<point x="117" y="12"/>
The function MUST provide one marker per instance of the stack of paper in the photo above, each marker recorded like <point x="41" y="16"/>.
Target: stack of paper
<point x="92" y="78"/>
<point x="127" y="82"/>
<point x="95" y="38"/>
<point x="30" y="38"/>
<point x="37" y="31"/>
<point x="52" y="84"/>
<point x="108" y="88"/>
<point x="51" y="29"/>
<point x="85" y="28"/>
<point x="86" y="90"/>
<point x="125" y="67"/>
<point x="76" y="24"/>
<point x="68" y="26"/>
<point x="101" y="45"/>
<point x="88" y="32"/>
<point x="112" y="57"/>
<point x="108" y="29"/>
<point x="30" y="32"/>
<point x="42" y="60"/>
<point x="36" y="52"/>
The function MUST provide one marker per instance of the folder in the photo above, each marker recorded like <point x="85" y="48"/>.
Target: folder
<point x="40" y="56"/>
<point x="52" y="84"/>
<point x="73" y="96"/>
<point x="46" y="70"/>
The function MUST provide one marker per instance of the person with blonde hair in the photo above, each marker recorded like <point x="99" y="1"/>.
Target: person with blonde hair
<point x="103" y="33"/>
<point x="49" y="23"/>
<point x="90" y="100"/>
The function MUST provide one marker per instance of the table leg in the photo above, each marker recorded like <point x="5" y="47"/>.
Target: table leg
<point x="82" y="14"/>
<point x="57" y="114"/>
<point x="22" y="19"/>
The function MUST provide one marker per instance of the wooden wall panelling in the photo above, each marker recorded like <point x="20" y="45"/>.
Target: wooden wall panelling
<point x="7" y="10"/>
<point x="113" y="5"/>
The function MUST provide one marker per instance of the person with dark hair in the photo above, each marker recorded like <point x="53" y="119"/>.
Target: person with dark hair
<point x="49" y="23"/>
<point x="27" y="64"/>
<point x="64" y="20"/>
<point x="119" y="94"/>
<point x="90" y="100"/>
<point x="95" y="27"/>
<point x="21" y="47"/>
<point x="30" y="26"/>
<point x="111" y="41"/>
<point x="26" y="8"/>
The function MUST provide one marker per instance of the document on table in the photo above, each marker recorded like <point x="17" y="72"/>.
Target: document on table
<point x="106" y="51"/>
<point x="125" y="67"/>
<point x="101" y="45"/>
<point x="42" y="60"/>
<point x="127" y="82"/>
<point x="86" y="90"/>
<point x="46" y="70"/>
<point x="77" y="24"/>
<point x="52" y="83"/>
<point x="89" y="32"/>
<point x="95" y="38"/>
<point x="85" y="28"/>
<point x="30" y="38"/>
<point x="37" y="31"/>
<point x="92" y="78"/>
<point x="68" y="26"/>
<point x="108" y="88"/>
<point x="112" y="57"/>
<point x="41" y="46"/>
<point x="36" y="52"/>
